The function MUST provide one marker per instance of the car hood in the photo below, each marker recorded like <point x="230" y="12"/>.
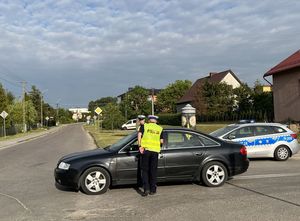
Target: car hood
<point x="85" y="154"/>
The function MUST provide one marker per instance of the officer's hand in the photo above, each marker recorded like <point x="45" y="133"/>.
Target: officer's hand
<point x="141" y="149"/>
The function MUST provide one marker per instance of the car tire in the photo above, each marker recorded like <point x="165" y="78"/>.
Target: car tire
<point x="281" y="153"/>
<point x="214" y="174"/>
<point x="94" y="181"/>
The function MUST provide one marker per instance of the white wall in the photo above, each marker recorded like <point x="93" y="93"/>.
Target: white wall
<point x="230" y="80"/>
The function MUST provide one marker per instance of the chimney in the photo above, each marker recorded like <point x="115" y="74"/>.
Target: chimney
<point x="212" y="73"/>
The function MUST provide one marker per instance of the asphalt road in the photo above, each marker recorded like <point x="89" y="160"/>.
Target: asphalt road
<point x="269" y="190"/>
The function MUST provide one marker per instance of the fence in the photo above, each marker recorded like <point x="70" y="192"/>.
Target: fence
<point x="258" y="116"/>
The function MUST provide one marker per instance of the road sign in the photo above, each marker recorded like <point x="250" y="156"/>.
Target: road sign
<point x="4" y="114"/>
<point x="47" y="118"/>
<point x="98" y="110"/>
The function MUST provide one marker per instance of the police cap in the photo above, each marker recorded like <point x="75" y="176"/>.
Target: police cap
<point x="153" y="117"/>
<point x="141" y="117"/>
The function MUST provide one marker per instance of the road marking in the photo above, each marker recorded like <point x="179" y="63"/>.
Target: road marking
<point x="265" y="176"/>
<point x="19" y="202"/>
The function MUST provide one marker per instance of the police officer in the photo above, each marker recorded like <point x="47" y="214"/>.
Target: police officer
<point x="140" y="121"/>
<point x="149" y="139"/>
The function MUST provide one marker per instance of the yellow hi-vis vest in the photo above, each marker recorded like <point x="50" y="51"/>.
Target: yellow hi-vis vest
<point x="151" y="137"/>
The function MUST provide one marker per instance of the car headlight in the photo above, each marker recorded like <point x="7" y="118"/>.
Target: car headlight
<point x="63" y="166"/>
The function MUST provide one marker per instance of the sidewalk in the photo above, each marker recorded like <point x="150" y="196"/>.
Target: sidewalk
<point x="14" y="141"/>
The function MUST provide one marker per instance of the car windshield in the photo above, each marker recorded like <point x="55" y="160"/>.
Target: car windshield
<point x="220" y="132"/>
<point x="116" y="146"/>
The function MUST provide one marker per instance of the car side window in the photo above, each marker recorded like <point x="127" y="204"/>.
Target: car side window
<point x="182" y="139"/>
<point x="131" y="147"/>
<point x="262" y="130"/>
<point x="277" y="130"/>
<point x="207" y="142"/>
<point x="241" y="133"/>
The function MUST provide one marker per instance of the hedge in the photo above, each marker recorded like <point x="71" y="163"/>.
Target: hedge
<point x="170" y="119"/>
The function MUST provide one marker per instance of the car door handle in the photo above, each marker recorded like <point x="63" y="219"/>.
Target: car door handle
<point x="160" y="156"/>
<point x="198" y="154"/>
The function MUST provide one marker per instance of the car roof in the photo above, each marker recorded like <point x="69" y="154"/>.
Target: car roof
<point x="186" y="130"/>
<point x="258" y="124"/>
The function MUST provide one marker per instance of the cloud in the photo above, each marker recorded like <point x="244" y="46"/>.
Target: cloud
<point x="82" y="50"/>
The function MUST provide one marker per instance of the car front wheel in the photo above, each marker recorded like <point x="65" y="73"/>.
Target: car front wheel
<point x="282" y="153"/>
<point x="95" y="180"/>
<point x="214" y="174"/>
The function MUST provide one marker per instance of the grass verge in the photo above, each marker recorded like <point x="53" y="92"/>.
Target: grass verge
<point x="104" y="138"/>
<point x="19" y="135"/>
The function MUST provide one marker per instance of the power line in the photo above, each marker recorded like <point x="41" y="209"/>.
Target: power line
<point x="11" y="73"/>
<point x="10" y="82"/>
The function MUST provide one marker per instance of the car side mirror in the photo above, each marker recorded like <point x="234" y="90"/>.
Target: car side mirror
<point x="231" y="137"/>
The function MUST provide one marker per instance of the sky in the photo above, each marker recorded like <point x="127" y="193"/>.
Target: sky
<point x="78" y="51"/>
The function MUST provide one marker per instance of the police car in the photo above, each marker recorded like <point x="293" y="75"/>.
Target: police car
<point x="262" y="139"/>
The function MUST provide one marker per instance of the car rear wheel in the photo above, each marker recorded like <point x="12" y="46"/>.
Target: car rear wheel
<point x="282" y="153"/>
<point x="214" y="174"/>
<point x="95" y="180"/>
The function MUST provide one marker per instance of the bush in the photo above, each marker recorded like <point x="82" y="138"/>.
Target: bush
<point x="170" y="119"/>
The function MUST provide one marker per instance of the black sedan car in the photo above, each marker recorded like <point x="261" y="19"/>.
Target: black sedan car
<point x="186" y="155"/>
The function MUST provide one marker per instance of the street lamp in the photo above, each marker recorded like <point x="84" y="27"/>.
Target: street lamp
<point x="42" y="106"/>
<point x="57" y="117"/>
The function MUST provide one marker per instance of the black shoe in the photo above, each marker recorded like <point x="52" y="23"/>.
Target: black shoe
<point x="145" y="193"/>
<point x="152" y="193"/>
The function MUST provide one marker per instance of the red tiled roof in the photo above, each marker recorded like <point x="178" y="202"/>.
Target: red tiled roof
<point x="289" y="63"/>
<point x="212" y="78"/>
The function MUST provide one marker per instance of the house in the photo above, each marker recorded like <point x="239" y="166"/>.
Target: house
<point x="286" y="88"/>
<point x="152" y="92"/>
<point x="191" y="95"/>
<point x="267" y="88"/>
<point x="79" y="113"/>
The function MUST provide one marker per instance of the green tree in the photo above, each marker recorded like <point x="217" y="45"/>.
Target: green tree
<point x="102" y="102"/>
<point x="65" y="116"/>
<point x="136" y="102"/>
<point x="219" y="98"/>
<point x="243" y="97"/>
<point x="263" y="102"/>
<point x="167" y="98"/>
<point x="3" y="101"/>
<point x="10" y="98"/>
<point x="35" y="96"/>
<point x="112" y="116"/>
<point x="15" y="112"/>
<point x="258" y="87"/>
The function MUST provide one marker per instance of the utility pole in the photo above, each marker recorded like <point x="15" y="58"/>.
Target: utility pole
<point x="41" y="109"/>
<point x="42" y="118"/>
<point x="24" y="108"/>
<point x="57" y="117"/>
<point x="126" y="99"/>
<point x="152" y="103"/>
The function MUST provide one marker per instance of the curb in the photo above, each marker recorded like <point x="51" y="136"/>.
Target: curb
<point x="42" y="134"/>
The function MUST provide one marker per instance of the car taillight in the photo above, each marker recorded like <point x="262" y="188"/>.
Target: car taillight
<point x="294" y="136"/>
<point x="243" y="151"/>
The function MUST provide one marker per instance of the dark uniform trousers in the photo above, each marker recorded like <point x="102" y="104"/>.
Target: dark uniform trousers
<point x="149" y="170"/>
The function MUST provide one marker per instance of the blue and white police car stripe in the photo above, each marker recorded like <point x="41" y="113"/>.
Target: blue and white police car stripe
<point x="267" y="141"/>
